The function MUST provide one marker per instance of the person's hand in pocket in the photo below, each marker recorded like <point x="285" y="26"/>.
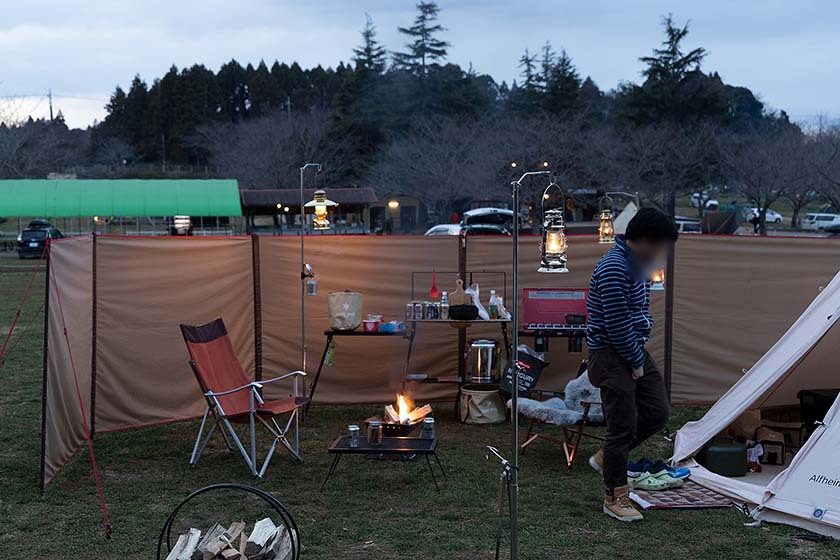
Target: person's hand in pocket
<point x="638" y="372"/>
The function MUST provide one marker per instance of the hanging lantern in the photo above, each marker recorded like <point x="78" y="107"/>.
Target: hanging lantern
<point x="321" y="203"/>
<point x="553" y="244"/>
<point x="657" y="279"/>
<point x="606" y="231"/>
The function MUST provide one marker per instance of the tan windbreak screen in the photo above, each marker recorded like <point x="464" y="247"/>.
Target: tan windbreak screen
<point x="69" y="279"/>
<point x="734" y="297"/>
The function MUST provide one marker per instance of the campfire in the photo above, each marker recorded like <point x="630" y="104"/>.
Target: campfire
<point x="401" y="417"/>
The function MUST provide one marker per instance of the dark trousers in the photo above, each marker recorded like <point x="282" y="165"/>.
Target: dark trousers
<point x="634" y="409"/>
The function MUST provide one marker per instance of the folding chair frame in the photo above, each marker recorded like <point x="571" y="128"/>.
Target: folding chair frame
<point x="214" y="409"/>
<point x="571" y="435"/>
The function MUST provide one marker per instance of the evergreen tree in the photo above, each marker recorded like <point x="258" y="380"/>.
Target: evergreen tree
<point x="562" y="85"/>
<point x="424" y="48"/>
<point x="669" y="64"/>
<point x="546" y="65"/>
<point x="370" y="57"/>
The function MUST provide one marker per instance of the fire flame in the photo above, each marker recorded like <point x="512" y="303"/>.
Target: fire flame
<point x="403" y="409"/>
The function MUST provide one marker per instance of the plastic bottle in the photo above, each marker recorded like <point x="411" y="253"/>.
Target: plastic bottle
<point x="444" y="306"/>
<point x="494" y="305"/>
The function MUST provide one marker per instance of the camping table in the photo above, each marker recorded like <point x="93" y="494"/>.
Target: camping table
<point x="410" y="334"/>
<point x="404" y="447"/>
<point x="330" y="334"/>
<point x="462" y="366"/>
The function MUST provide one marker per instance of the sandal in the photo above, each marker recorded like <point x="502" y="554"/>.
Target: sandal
<point x="647" y="481"/>
<point x="671" y="481"/>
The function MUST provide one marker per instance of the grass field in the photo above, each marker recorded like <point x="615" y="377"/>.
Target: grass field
<point x="376" y="510"/>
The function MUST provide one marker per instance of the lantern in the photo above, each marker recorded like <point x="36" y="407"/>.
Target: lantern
<point x="657" y="279"/>
<point x="553" y="244"/>
<point x="320" y="202"/>
<point x="606" y="231"/>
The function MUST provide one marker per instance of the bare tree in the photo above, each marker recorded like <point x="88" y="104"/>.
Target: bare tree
<point x="663" y="162"/>
<point x="763" y="166"/>
<point x="825" y="150"/>
<point x="442" y="161"/>
<point x="267" y="152"/>
<point x="812" y="186"/>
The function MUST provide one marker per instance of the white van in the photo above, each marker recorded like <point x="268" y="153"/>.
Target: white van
<point x="817" y="222"/>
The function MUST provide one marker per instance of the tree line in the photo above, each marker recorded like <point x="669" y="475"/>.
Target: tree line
<point x="411" y="122"/>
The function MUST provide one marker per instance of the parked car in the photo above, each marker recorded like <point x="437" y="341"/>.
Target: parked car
<point x="708" y="203"/>
<point x="772" y="217"/>
<point x="444" y="229"/>
<point x="687" y="225"/>
<point x="818" y="222"/>
<point x="498" y="216"/>
<point x="33" y="241"/>
<point x="477" y="229"/>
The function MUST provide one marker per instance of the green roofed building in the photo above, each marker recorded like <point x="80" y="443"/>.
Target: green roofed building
<point x="121" y="205"/>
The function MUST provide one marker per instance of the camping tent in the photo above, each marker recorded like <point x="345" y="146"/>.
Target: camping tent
<point x="806" y="491"/>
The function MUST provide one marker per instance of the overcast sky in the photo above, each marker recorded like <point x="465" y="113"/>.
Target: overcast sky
<point x="786" y="52"/>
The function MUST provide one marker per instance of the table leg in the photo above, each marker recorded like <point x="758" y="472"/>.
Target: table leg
<point x="507" y="343"/>
<point x="432" y="470"/>
<point x="440" y="466"/>
<point x="411" y="333"/>
<point x="318" y="374"/>
<point x="332" y="470"/>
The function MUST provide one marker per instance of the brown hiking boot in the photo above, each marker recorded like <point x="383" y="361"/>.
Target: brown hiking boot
<point x="597" y="462"/>
<point x="619" y="506"/>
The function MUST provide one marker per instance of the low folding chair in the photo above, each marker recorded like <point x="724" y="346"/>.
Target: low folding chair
<point x="557" y="411"/>
<point x="232" y="398"/>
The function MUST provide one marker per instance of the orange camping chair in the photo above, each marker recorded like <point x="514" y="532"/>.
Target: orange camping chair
<point x="232" y="398"/>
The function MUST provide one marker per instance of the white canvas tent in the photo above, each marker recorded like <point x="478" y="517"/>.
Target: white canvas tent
<point x="620" y="222"/>
<point x="806" y="492"/>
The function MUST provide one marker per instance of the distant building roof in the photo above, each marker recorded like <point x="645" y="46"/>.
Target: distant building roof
<point x="264" y="198"/>
<point x="68" y="198"/>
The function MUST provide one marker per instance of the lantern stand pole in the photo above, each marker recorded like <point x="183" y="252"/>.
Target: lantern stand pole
<point x="634" y="196"/>
<point x="514" y="404"/>
<point x="305" y="272"/>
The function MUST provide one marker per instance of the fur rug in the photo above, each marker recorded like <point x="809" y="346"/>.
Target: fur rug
<point x="566" y="411"/>
<point x="580" y="389"/>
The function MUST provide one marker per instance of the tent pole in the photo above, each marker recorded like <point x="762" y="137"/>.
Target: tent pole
<point x="42" y="482"/>
<point x="255" y="271"/>
<point x="669" y="318"/>
<point x="93" y="337"/>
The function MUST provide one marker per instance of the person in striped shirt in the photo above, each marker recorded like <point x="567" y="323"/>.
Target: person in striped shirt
<point x="632" y="389"/>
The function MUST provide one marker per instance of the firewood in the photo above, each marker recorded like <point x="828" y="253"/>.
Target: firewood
<point x="419" y="413"/>
<point x="207" y="543"/>
<point x="243" y="542"/>
<point x="280" y="547"/>
<point x="178" y="548"/>
<point x="263" y="531"/>
<point x="185" y="546"/>
<point x="391" y="413"/>
<point x="233" y="554"/>
<point x="235" y="530"/>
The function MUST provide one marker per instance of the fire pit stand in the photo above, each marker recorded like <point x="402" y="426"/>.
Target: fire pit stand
<point x="402" y="447"/>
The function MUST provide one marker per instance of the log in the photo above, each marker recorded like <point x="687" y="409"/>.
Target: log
<point x="208" y="543"/>
<point x="419" y="413"/>
<point x="391" y="414"/>
<point x="185" y="546"/>
<point x="279" y="548"/>
<point x="263" y="531"/>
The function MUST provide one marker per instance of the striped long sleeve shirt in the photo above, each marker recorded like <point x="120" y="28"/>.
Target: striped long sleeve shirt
<point x="618" y="302"/>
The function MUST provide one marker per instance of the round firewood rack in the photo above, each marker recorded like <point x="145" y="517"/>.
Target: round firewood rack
<point x="286" y="518"/>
